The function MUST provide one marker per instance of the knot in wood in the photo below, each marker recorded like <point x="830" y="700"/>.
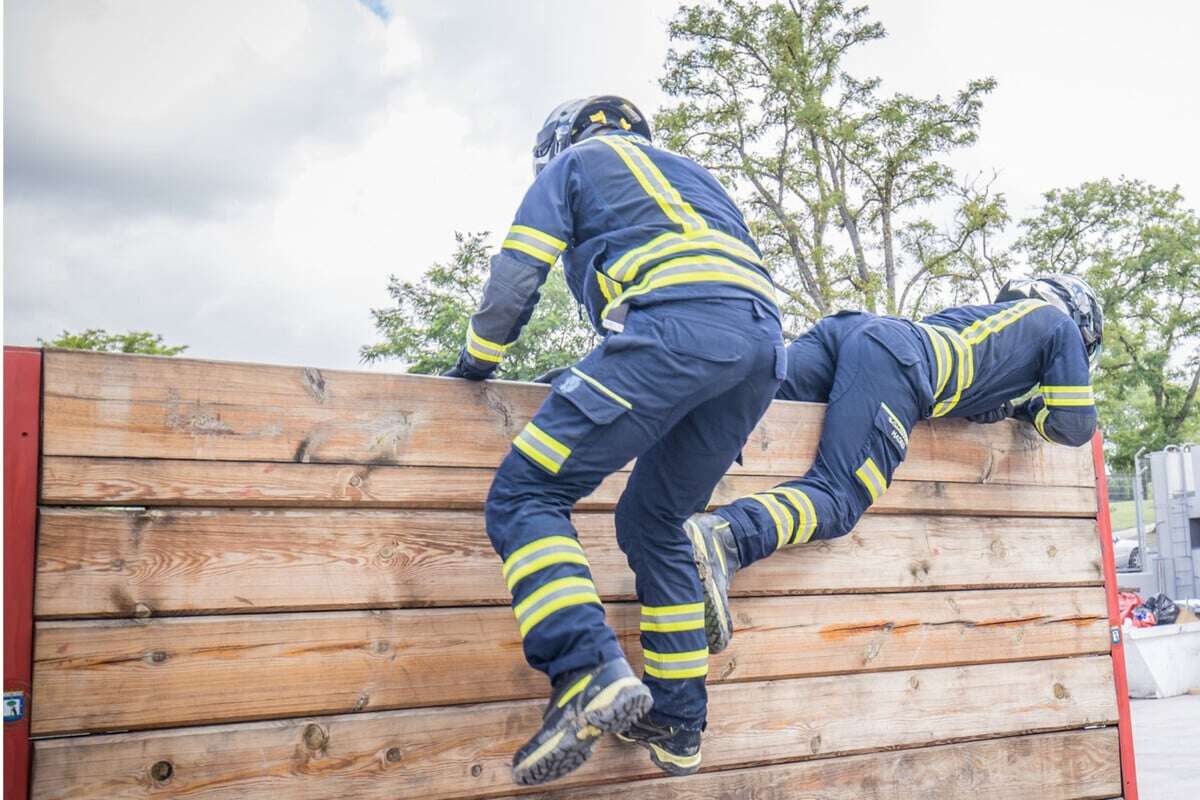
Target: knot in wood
<point x="161" y="771"/>
<point x="476" y="770"/>
<point x="315" y="737"/>
<point x="392" y="755"/>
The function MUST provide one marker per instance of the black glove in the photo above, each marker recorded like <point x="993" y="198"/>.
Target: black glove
<point x="549" y="375"/>
<point x="995" y="415"/>
<point x="463" y="369"/>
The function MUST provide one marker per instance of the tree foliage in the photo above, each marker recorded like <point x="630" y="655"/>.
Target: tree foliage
<point x="1139" y="247"/>
<point x="832" y="173"/>
<point x="100" y="340"/>
<point x="427" y="323"/>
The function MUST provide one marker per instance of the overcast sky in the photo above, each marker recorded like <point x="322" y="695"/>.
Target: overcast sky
<point x="243" y="176"/>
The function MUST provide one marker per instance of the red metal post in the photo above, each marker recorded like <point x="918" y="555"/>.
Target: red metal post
<point x="1117" y="637"/>
<point x="22" y="446"/>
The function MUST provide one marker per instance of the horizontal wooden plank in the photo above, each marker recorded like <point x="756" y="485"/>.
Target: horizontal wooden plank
<point x="104" y="481"/>
<point x="131" y="406"/>
<point x="95" y="676"/>
<point x="465" y="751"/>
<point x="1070" y="765"/>
<point x="105" y="562"/>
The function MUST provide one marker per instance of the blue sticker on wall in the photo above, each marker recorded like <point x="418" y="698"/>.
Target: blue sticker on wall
<point x="14" y="706"/>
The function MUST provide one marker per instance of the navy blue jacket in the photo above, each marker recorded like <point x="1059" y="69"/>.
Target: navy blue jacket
<point x="632" y="224"/>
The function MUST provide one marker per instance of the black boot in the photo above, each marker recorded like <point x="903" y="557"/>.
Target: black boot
<point x="717" y="559"/>
<point x="583" y="706"/>
<point x="674" y="750"/>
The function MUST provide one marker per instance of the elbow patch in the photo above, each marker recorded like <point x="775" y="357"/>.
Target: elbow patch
<point x="1071" y="429"/>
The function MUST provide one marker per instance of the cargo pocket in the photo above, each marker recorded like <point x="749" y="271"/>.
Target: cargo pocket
<point x="885" y="451"/>
<point x="708" y="342"/>
<point x="578" y="406"/>
<point x="895" y="343"/>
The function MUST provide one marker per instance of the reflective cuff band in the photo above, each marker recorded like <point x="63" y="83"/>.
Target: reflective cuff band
<point x="627" y="266"/>
<point x="540" y="554"/>
<point x="677" y="666"/>
<point x="896" y="423"/>
<point x="779" y="515"/>
<point x="979" y="330"/>
<point x="696" y="269"/>
<point x="543" y="448"/>
<point x="483" y="349"/>
<point x="600" y="387"/>
<point x="669" y="619"/>
<point x="531" y="241"/>
<point x="1039" y="423"/>
<point x="655" y="184"/>
<point x="872" y="478"/>
<point x="1068" y="395"/>
<point x="554" y="596"/>
<point x="806" y="515"/>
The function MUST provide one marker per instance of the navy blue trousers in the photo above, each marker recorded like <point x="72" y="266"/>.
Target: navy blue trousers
<point x="680" y="390"/>
<point x="873" y="373"/>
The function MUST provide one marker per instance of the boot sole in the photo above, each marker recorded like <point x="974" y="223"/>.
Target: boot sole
<point x="718" y="620"/>
<point x="665" y="760"/>
<point x="618" y="706"/>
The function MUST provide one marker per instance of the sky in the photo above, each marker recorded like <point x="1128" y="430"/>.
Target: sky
<point x="243" y="177"/>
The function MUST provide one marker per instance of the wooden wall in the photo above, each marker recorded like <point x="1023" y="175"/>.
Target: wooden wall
<point x="270" y="582"/>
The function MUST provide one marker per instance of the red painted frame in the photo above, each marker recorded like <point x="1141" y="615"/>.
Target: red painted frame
<point x="1117" y="637"/>
<point x="22" y="451"/>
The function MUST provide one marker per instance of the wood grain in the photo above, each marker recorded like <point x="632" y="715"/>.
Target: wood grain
<point x="465" y="751"/>
<point x="104" y="481"/>
<point x="98" y="676"/>
<point x="1048" y="766"/>
<point x="143" y="407"/>
<point x="134" y="563"/>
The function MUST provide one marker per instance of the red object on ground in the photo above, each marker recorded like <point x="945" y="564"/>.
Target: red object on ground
<point x="22" y="444"/>
<point x="1116" y="635"/>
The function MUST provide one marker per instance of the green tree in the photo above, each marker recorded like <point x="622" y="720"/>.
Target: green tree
<point x="830" y="171"/>
<point x="427" y="323"/>
<point x="1139" y="247"/>
<point x="100" y="340"/>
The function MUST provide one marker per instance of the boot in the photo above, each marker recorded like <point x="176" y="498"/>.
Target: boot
<point x="717" y="559"/>
<point x="674" y="750"/>
<point x="583" y="706"/>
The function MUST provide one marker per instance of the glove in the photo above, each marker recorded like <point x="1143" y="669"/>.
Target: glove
<point x="995" y="415"/>
<point x="549" y="375"/>
<point x="463" y="369"/>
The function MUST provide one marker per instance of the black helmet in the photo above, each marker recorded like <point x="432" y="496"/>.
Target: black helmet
<point x="1068" y="294"/>
<point x="574" y="120"/>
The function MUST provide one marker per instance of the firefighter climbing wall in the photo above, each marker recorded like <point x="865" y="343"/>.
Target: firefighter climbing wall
<point x="273" y="582"/>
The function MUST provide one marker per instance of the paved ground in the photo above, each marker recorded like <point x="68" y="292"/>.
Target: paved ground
<point x="1166" y="744"/>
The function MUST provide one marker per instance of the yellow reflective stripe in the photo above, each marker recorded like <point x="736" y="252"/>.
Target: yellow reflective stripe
<point x="552" y="597"/>
<point x="964" y="374"/>
<point x="1039" y="423"/>
<point x="695" y="269"/>
<point x="602" y="388"/>
<point x="896" y="423"/>
<point x="655" y="184"/>
<point x="670" y="619"/>
<point x="484" y="349"/>
<point x="608" y="287"/>
<point x="556" y="243"/>
<point x="779" y="513"/>
<point x="542" y="448"/>
<point x="576" y="687"/>
<point x="979" y="330"/>
<point x="941" y="355"/>
<point x="1068" y="395"/>
<point x="529" y="249"/>
<point x="627" y="266"/>
<point x="806" y="515"/>
<point x="692" y="664"/>
<point x="872" y="478"/>
<point x="540" y="554"/>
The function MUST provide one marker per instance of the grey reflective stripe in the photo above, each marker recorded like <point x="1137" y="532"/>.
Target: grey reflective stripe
<point x="627" y="266"/>
<point x="566" y="591"/>
<point x="659" y="619"/>
<point x="535" y="243"/>
<point x="512" y="569"/>
<point x="671" y="666"/>
<point x="526" y="439"/>
<point x="744" y="273"/>
<point x="867" y="476"/>
<point x="1066" y="395"/>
